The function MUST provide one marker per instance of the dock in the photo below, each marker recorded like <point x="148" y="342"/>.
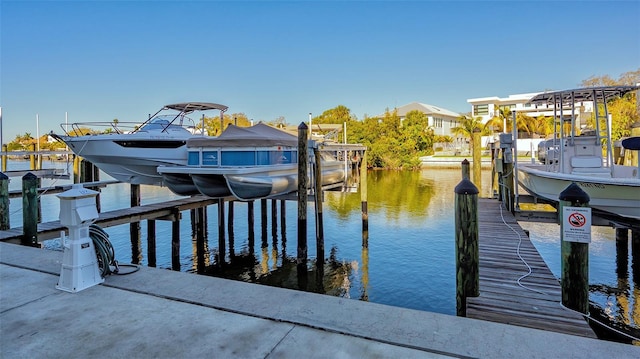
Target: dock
<point x="157" y="313"/>
<point x="536" y="301"/>
<point x="168" y="210"/>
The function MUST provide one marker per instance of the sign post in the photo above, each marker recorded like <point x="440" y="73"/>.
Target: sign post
<point x="575" y="228"/>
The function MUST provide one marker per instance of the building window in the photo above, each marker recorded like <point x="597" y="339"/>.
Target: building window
<point x="437" y="122"/>
<point x="481" y="110"/>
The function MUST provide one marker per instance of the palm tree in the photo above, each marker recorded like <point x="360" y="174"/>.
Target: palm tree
<point x="468" y="124"/>
<point x="503" y="116"/>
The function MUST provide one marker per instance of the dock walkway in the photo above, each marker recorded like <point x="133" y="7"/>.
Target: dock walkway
<point x="157" y="313"/>
<point x="536" y="303"/>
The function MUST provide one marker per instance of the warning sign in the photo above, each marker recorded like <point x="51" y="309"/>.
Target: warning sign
<point x="576" y="224"/>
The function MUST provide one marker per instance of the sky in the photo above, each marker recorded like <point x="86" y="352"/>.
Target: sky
<point x="105" y="60"/>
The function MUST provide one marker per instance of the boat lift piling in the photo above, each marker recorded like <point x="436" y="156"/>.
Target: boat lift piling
<point x="303" y="159"/>
<point x="250" y="225"/>
<point x="221" y="235"/>
<point x="318" y="203"/>
<point x="134" y="227"/>
<point x="363" y="200"/>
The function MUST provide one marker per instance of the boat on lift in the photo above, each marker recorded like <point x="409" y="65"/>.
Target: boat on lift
<point x="585" y="156"/>
<point x="131" y="152"/>
<point x="249" y="163"/>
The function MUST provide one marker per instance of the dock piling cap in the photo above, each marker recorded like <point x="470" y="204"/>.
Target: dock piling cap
<point x="466" y="187"/>
<point x="77" y="191"/>
<point x="574" y="194"/>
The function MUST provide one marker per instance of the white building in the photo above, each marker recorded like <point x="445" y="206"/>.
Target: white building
<point x="489" y="107"/>
<point x="441" y="120"/>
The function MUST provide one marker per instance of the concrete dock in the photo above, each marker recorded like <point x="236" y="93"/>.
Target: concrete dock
<point x="157" y="313"/>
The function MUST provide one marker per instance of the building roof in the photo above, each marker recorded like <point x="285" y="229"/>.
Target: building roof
<point x="512" y="99"/>
<point x="427" y="109"/>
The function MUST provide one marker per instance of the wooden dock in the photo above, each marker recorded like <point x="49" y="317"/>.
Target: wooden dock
<point x="168" y="210"/>
<point x="535" y="304"/>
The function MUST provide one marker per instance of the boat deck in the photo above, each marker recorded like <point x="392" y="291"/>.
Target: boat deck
<point x="536" y="303"/>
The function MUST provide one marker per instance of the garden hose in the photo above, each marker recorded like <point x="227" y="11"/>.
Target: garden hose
<point x="105" y="254"/>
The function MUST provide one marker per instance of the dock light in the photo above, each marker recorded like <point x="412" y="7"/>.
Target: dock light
<point x="79" y="264"/>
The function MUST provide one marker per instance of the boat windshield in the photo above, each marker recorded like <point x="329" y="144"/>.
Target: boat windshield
<point x="167" y="123"/>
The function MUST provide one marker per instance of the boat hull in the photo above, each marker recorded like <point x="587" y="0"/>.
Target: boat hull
<point x="180" y="184"/>
<point x="136" y="164"/>
<point x="618" y="196"/>
<point x="265" y="184"/>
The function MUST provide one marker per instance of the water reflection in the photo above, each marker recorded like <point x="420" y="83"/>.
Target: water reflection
<point x="409" y="260"/>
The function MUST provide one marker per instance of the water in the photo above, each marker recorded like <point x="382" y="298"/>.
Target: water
<point x="409" y="261"/>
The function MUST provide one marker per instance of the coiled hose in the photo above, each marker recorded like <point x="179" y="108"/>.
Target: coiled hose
<point x="105" y="254"/>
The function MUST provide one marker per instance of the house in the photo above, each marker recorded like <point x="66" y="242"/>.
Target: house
<point x="489" y="107"/>
<point x="441" y="120"/>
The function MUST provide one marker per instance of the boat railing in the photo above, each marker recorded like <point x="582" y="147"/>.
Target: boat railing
<point x="91" y="128"/>
<point x="119" y="127"/>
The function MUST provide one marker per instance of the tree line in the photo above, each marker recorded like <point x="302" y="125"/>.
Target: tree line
<point x="395" y="143"/>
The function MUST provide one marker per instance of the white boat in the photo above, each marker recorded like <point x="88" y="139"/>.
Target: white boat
<point x="578" y="158"/>
<point x="249" y="163"/>
<point x="131" y="152"/>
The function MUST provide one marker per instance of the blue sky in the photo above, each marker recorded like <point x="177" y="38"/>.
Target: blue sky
<point x="101" y="60"/>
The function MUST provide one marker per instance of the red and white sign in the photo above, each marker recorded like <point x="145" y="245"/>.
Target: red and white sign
<point x="576" y="224"/>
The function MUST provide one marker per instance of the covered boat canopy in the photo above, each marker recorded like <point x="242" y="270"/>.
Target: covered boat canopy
<point x="596" y="94"/>
<point x="259" y="135"/>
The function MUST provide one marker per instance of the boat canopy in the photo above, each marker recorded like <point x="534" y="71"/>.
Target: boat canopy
<point x="259" y="135"/>
<point x="189" y="107"/>
<point x="596" y="94"/>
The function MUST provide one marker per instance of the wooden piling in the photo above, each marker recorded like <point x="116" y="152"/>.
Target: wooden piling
<point x="318" y="203"/>
<point x="30" y="204"/>
<point x="200" y="239"/>
<point x="134" y="227"/>
<point x="230" y="218"/>
<point x="508" y="183"/>
<point x="303" y="160"/>
<point x="466" y="173"/>
<point x="76" y="169"/>
<point x="283" y="220"/>
<point x="222" y="251"/>
<point x="575" y="255"/>
<point x="263" y="221"/>
<point x="4" y="158"/>
<point x="5" y="222"/>
<point x="635" y="257"/>
<point x="467" y="252"/>
<point x="230" y="230"/>
<point x="622" y="252"/>
<point x="151" y="242"/>
<point x="175" y="241"/>
<point x="363" y="200"/>
<point x="32" y="157"/>
<point x="250" y="226"/>
<point x="274" y="219"/>
<point x="477" y="158"/>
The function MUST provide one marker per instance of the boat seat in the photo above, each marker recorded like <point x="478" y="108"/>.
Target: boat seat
<point x="589" y="166"/>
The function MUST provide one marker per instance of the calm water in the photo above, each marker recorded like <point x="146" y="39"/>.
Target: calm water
<point x="409" y="261"/>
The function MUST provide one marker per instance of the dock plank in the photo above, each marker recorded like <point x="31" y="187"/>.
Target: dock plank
<point x="536" y="301"/>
